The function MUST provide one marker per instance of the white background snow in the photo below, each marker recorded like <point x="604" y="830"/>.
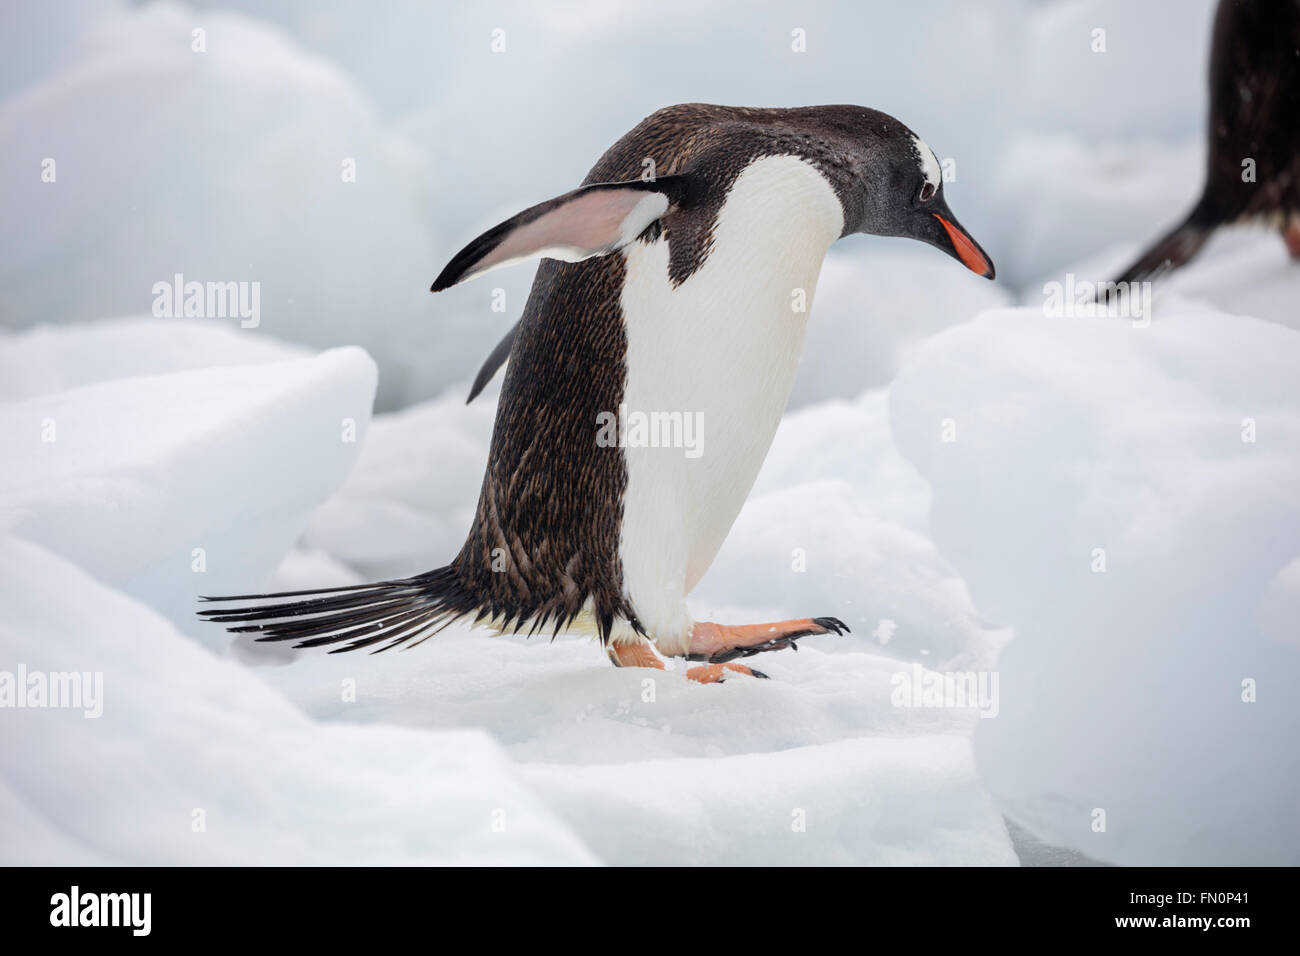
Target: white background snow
<point x="150" y="459"/>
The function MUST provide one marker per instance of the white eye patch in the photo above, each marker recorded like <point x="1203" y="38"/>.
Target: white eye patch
<point x="929" y="163"/>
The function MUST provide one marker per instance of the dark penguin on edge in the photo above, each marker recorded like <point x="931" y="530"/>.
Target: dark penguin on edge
<point x="1254" y="115"/>
<point x="671" y="295"/>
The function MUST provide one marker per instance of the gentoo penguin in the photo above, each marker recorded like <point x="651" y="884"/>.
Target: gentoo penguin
<point x="675" y="294"/>
<point x="1252" y="172"/>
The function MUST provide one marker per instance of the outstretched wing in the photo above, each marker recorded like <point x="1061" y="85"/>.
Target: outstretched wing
<point x="591" y="221"/>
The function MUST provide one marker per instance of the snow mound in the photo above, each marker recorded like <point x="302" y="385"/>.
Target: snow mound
<point x="878" y="802"/>
<point x="193" y="760"/>
<point x="1126" y="497"/>
<point x="170" y="486"/>
<point x="55" y="358"/>
<point x="236" y="173"/>
<point x="621" y="753"/>
<point x="1244" y="270"/>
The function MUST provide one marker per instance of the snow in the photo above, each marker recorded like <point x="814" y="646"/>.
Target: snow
<point x="1242" y="270"/>
<point x="1174" y="449"/>
<point x="1155" y="691"/>
<point x="235" y="174"/>
<point x="55" y="358"/>
<point x="196" y="761"/>
<point x="649" y="768"/>
<point x="187" y="482"/>
<point x="879" y="801"/>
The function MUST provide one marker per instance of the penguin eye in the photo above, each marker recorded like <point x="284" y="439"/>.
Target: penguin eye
<point x="927" y="192"/>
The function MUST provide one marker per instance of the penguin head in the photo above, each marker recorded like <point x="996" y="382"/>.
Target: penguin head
<point x="888" y="180"/>
<point x="897" y="190"/>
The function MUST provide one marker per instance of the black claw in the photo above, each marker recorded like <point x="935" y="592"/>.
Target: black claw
<point x="759" y="674"/>
<point x="832" y="624"/>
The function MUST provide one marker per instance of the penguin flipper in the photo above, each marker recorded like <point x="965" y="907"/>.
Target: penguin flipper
<point x="1173" y="250"/>
<point x="590" y="221"/>
<point x="493" y="363"/>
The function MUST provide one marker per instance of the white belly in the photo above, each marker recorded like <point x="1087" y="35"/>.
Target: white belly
<point x="722" y="349"/>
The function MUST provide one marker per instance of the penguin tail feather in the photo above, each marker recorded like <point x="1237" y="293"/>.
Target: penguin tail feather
<point x="388" y="612"/>
<point x="1171" y="252"/>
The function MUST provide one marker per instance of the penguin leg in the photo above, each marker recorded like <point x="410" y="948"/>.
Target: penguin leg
<point x="718" y="643"/>
<point x="640" y="653"/>
<point x="1291" y="236"/>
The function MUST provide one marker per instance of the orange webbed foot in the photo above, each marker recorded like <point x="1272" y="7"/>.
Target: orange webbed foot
<point x="717" y="673"/>
<point x="718" y="643"/>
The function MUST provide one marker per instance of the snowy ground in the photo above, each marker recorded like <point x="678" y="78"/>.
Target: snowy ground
<point x="1102" y="515"/>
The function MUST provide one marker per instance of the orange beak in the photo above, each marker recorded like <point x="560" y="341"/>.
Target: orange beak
<point x="967" y="251"/>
